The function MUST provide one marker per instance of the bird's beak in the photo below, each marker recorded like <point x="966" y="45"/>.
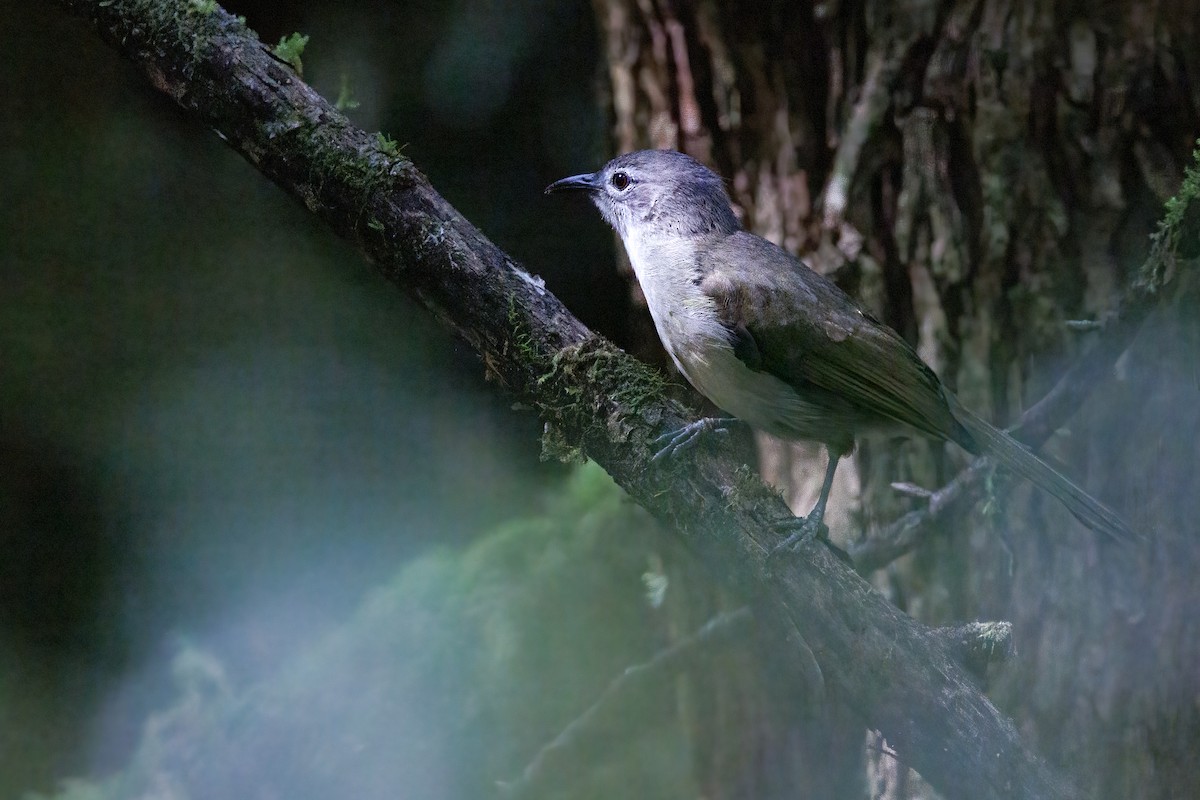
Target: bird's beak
<point x="575" y="183"/>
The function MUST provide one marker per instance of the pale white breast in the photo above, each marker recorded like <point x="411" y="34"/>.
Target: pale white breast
<point x="698" y="343"/>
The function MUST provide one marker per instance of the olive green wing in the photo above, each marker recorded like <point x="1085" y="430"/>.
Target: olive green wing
<point x="801" y="328"/>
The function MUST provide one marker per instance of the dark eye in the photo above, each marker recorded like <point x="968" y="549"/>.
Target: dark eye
<point x="620" y="181"/>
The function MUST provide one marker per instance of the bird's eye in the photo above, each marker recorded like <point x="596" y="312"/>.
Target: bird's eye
<point x="620" y="181"/>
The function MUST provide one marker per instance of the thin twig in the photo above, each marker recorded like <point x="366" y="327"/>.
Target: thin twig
<point x="1115" y="332"/>
<point x="625" y="691"/>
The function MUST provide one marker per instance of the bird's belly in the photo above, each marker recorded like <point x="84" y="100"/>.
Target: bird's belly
<point x="698" y="343"/>
<point x="758" y="398"/>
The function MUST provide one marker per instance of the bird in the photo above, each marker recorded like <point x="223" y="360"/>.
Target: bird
<point x="778" y="345"/>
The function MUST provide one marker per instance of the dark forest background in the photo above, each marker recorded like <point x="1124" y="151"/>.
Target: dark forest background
<point x="218" y="425"/>
<point x="266" y="531"/>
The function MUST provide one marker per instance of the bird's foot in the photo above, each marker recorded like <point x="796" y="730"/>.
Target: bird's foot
<point x="799" y="532"/>
<point x="689" y="435"/>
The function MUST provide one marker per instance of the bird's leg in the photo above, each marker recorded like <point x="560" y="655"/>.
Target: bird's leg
<point x="813" y="525"/>
<point x="689" y="435"/>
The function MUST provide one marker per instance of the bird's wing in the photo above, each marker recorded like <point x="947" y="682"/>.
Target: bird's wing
<point x="804" y="330"/>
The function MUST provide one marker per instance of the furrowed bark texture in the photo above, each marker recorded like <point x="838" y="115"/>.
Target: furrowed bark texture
<point x="896" y="674"/>
<point x="977" y="173"/>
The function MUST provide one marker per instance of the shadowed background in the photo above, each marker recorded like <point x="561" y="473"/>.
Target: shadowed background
<point x="217" y="423"/>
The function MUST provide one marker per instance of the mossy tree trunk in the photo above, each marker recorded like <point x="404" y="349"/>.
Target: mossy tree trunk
<point x="977" y="173"/>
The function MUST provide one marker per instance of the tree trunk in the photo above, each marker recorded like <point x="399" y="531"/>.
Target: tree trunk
<point x="977" y="174"/>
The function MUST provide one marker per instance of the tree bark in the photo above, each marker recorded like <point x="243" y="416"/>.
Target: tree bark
<point x="896" y="675"/>
<point x="978" y="173"/>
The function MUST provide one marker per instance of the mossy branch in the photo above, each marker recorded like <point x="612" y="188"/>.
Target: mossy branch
<point x="896" y="674"/>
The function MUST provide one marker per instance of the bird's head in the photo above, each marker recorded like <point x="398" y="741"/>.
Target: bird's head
<point x="657" y="193"/>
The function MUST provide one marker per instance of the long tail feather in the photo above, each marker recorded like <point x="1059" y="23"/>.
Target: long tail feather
<point x="1012" y="455"/>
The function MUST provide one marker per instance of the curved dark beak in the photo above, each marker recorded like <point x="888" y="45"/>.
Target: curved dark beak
<point x="575" y="183"/>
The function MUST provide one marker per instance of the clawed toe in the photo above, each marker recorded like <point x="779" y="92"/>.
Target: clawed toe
<point x="689" y="436"/>
<point x="800" y="531"/>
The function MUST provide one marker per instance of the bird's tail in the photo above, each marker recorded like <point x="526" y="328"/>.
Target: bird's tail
<point x="1015" y="457"/>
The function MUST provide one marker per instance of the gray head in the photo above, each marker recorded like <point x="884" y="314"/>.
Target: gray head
<point x="657" y="191"/>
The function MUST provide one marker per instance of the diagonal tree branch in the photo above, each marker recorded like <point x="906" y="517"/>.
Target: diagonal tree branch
<point x="895" y="673"/>
<point x="975" y="645"/>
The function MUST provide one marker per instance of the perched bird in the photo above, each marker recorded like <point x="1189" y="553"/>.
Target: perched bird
<point x="776" y="344"/>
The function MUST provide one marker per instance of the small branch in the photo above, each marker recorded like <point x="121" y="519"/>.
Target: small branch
<point x="1039" y="422"/>
<point x="912" y="490"/>
<point x="911" y="530"/>
<point x="554" y="762"/>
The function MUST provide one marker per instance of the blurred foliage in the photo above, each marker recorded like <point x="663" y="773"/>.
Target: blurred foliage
<point x="290" y="48"/>
<point x="217" y="421"/>
<point x="444" y="681"/>
<point x="1179" y="231"/>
